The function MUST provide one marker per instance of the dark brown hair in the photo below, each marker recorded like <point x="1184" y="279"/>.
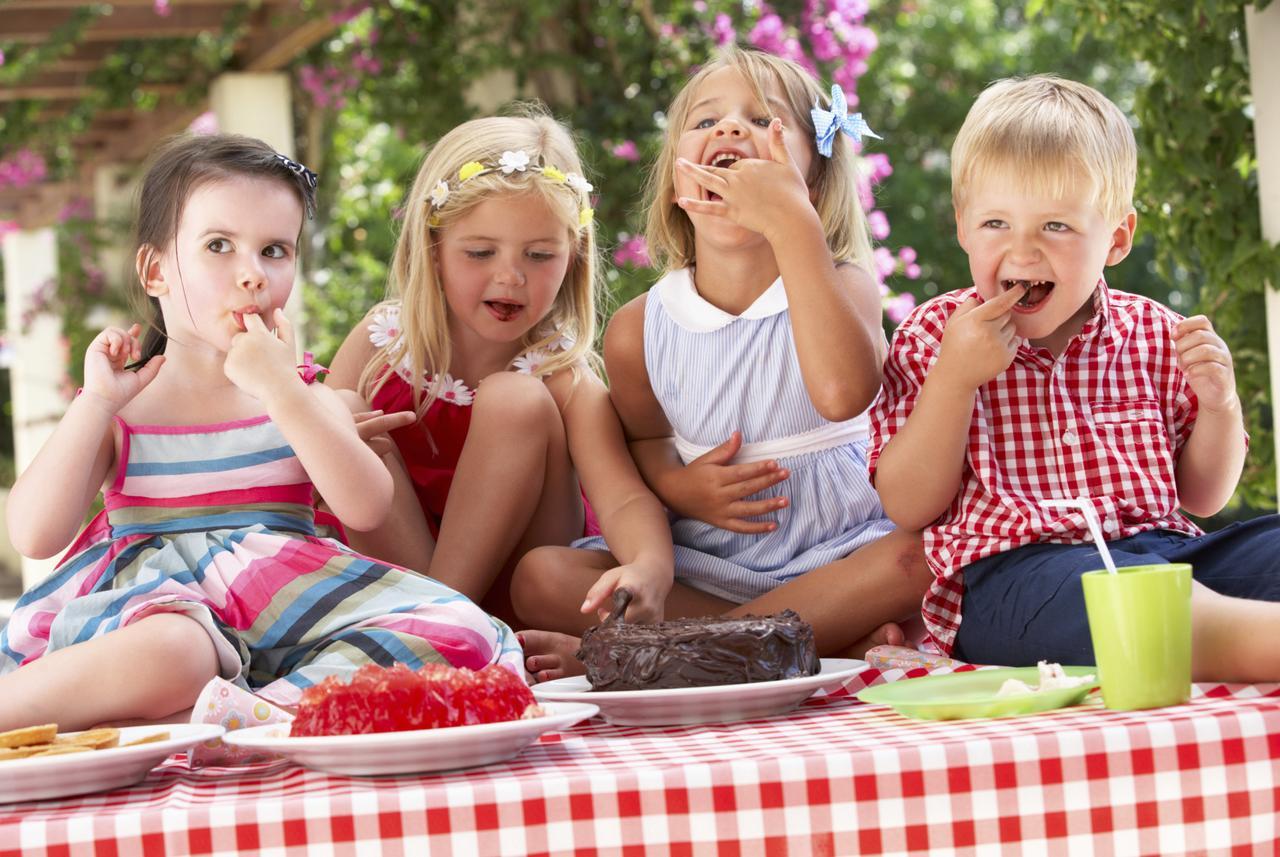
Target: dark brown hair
<point x="175" y="171"/>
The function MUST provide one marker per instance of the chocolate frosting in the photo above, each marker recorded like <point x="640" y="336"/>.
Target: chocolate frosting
<point x="713" y="650"/>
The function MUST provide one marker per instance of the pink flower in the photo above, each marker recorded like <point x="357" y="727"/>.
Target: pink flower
<point x="633" y="251"/>
<point x="309" y="369"/>
<point x="162" y="8"/>
<point x="907" y="255"/>
<point x="722" y="30"/>
<point x="204" y="124"/>
<point x="884" y="262"/>
<point x="899" y="307"/>
<point x="879" y="165"/>
<point x="7" y="226"/>
<point x="879" y="225"/>
<point x="912" y="271"/>
<point x="627" y="150"/>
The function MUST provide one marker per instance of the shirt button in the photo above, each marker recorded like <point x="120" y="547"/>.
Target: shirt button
<point x="1068" y="437"/>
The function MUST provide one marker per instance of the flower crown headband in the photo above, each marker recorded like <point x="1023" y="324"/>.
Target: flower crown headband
<point x="509" y="163"/>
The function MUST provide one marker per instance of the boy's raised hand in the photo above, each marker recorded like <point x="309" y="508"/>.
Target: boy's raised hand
<point x="104" y="362"/>
<point x="711" y="489"/>
<point x="980" y="340"/>
<point x="1206" y="361"/>
<point x="261" y="361"/>
<point x="755" y="193"/>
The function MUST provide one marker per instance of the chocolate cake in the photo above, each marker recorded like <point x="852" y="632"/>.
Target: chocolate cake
<point x="622" y="655"/>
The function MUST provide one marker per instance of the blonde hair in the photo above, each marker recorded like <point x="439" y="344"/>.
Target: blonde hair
<point x="422" y="343"/>
<point x="833" y="181"/>
<point x="1049" y="133"/>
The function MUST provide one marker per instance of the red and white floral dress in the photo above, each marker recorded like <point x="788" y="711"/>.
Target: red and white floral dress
<point x="431" y="446"/>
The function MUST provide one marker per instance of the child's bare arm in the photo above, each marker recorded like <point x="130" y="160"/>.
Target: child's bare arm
<point x="631" y="518"/>
<point x="49" y="500"/>
<point x="709" y="488"/>
<point x="1210" y="464"/>
<point x="920" y="469"/>
<point x="350" y="477"/>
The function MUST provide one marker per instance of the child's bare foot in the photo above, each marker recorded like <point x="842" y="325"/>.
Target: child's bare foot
<point x="549" y="655"/>
<point x="888" y="634"/>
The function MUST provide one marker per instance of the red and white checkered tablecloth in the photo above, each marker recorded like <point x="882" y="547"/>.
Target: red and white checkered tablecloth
<point x="834" y="777"/>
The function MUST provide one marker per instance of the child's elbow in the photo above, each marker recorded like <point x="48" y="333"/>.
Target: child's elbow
<point x="372" y="508"/>
<point x="839" y="402"/>
<point x="32" y="544"/>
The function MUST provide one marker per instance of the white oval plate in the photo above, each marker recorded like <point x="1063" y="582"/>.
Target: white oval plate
<point x="685" y="705"/>
<point x="39" y="778"/>
<point x="419" y="750"/>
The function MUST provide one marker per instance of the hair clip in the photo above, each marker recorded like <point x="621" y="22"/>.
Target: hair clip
<point x="510" y="162"/>
<point x="827" y="123"/>
<point x="307" y="175"/>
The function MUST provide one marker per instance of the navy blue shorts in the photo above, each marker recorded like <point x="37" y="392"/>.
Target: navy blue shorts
<point x="1027" y="605"/>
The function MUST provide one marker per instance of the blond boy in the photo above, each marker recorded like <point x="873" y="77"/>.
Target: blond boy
<point x="1042" y="383"/>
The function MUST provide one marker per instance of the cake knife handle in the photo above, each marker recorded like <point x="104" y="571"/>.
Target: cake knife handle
<point x="621" y="598"/>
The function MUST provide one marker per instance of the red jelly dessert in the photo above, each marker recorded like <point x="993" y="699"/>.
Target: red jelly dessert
<point x="398" y="699"/>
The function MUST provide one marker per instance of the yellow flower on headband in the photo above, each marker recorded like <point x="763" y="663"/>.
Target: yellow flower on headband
<point x="553" y="174"/>
<point x="586" y="216"/>
<point x="469" y="169"/>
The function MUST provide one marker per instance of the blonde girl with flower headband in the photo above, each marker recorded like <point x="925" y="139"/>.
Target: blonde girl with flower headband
<point x="481" y="360"/>
<point x="743" y="376"/>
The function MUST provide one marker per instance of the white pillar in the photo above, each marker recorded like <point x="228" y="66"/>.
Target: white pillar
<point x="260" y="104"/>
<point x="1263" y="29"/>
<point x="38" y="375"/>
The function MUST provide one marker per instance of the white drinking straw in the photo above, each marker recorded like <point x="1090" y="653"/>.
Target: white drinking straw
<point x="1090" y="518"/>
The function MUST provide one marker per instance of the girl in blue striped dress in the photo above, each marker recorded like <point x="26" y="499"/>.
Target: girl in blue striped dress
<point x="206" y="561"/>
<point x="743" y="376"/>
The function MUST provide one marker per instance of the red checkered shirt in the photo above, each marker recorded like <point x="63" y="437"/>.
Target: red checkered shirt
<point x="1106" y="420"/>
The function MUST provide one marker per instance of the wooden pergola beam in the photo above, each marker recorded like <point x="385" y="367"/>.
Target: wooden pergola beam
<point x="277" y="34"/>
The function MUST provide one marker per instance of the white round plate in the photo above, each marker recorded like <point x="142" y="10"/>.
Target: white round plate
<point x="684" y="705"/>
<point x="419" y="750"/>
<point x="41" y="777"/>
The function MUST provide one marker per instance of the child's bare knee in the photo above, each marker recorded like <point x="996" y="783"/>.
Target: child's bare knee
<point x="182" y="644"/>
<point x="516" y="401"/>
<point x="535" y="583"/>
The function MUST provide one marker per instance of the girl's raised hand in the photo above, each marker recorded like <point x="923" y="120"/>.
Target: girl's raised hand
<point x="261" y="361"/>
<point x="755" y="193"/>
<point x="104" y="362"/>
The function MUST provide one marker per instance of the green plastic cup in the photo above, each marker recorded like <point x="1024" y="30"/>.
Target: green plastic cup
<point x="1140" y="622"/>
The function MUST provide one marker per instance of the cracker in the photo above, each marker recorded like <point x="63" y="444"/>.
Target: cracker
<point x="147" y="739"/>
<point x="97" y="739"/>
<point x="29" y="735"/>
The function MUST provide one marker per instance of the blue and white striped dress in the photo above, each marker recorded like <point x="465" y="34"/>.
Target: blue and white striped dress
<point x="714" y="373"/>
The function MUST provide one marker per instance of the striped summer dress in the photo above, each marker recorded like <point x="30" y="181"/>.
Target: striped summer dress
<point x="714" y="373"/>
<point x="216" y="522"/>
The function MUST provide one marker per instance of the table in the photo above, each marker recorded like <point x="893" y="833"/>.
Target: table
<point x="834" y="777"/>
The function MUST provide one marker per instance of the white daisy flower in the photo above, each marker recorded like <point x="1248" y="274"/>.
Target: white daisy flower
<point x="557" y="343"/>
<point x="453" y="391"/>
<point x="440" y="193"/>
<point x="513" y="161"/>
<point x="385" y="327"/>
<point x="531" y="362"/>
<point x="578" y="183"/>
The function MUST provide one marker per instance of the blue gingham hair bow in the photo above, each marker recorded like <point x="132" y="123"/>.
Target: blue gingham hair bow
<point x="828" y="123"/>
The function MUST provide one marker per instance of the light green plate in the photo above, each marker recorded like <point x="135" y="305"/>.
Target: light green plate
<point x="958" y="696"/>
